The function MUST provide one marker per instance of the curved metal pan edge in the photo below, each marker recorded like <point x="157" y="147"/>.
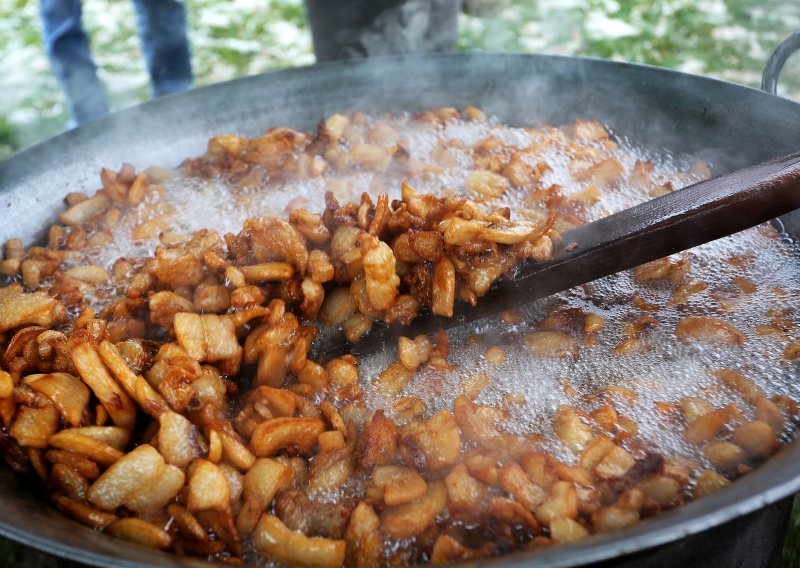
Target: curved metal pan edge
<point x="728" y="124"/>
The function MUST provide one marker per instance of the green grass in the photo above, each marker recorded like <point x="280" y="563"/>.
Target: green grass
<point x="8" y="140"/>
<point x="791" y="546"/>
<point x="231" y="38"/>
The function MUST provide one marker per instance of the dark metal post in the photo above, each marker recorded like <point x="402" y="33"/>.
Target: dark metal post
<point x="348" y="29"/>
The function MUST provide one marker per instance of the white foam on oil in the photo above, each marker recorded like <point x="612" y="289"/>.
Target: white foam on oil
<point x="667" y="371"/>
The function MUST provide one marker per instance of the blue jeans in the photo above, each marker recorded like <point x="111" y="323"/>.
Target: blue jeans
<point x="162" y="30"/>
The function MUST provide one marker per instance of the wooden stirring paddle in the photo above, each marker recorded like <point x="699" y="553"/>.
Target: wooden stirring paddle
<point x="680" y="220"/>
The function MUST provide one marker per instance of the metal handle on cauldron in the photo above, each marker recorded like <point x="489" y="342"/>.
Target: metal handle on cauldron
<point x="772" y="70"/>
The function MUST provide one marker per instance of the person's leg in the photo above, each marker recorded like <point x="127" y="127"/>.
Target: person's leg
<point x="162" y="29"/>
<point x="67" y="47"/>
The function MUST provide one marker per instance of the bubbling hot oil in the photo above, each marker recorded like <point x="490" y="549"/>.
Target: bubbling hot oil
<point x="666" y="371"/>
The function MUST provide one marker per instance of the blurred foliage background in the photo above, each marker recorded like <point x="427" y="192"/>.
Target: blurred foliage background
<point x="728" y="39"/>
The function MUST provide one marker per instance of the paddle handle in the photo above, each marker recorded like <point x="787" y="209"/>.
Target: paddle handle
<point x="674" y="222"/>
